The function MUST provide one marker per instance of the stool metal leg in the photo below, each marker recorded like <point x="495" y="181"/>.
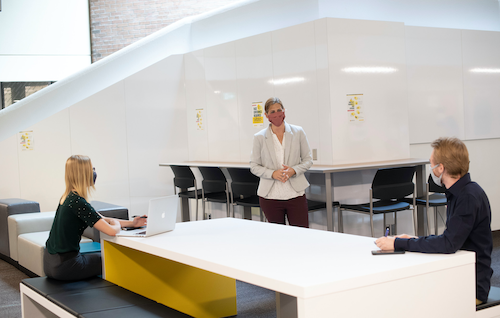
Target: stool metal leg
<point x="340" y="218"/>
<point x="436" y="220"/>
<point x="196" y="198"/>
<point x="371" y="212"/>
<point x="385" y="220"/>
<point x="395" y="223"/>
<point x="203" y="203"/>
<point x="228" y="204"/>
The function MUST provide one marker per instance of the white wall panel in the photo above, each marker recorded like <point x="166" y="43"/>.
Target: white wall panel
<point x="9" y="169"/>
<point x="155" y="118"/>
<point x="481" y="72"/>
<point x="295" y="80"/>
<point x="483" y="155"/>
<point x="325" y="151"/>
<point x="98" y="130"/>
<point x="195" y="90"/>
<point x="41" y="170"/>
<point x="254" y="69"/>
<point x="222" y="111"/>
<point x="435" y="84"/>
<point x="377" y="52"/>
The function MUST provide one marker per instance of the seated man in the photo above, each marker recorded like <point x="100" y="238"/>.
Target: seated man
<point x="468" y="214"/>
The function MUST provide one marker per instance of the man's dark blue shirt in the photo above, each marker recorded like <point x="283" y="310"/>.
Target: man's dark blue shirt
<point x="468" y="227"/>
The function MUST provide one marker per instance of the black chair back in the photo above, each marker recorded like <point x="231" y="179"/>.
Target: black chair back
<point x="183" y="177"/>
<point x="243" y="182"/>
<point x="433" y="187"/>
<point x="393" y="183"/>
<point x="214" y="179"/>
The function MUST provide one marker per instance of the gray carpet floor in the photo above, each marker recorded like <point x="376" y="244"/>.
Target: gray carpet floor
<point x="10" y="300"/>
<point x="253" y="301"/>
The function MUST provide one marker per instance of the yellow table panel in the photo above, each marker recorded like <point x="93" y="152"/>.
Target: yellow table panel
<point x="191" y="290"/>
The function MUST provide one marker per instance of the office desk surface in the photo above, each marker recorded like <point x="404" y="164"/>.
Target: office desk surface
<point x="315" y="167"/>
<point x="299" y="262"/>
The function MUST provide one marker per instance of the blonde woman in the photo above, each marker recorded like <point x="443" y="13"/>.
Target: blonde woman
<point x="62" y="259"/>
<point x="280" y="157"/>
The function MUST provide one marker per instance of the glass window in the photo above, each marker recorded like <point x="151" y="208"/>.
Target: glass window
<point x="7" y="96"/>
<point x="12" y="92"/>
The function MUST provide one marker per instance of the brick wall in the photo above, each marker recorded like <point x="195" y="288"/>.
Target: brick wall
<point x="115" y="24"/>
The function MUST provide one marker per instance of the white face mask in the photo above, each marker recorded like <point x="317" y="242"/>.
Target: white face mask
<point x="437" y="180"/>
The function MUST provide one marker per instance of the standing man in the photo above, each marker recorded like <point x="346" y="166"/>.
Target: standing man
<point x="468" y="215"/>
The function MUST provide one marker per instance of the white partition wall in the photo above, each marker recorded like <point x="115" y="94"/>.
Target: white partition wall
<point x="325" y="153"/>
<point x="98" y="130"/>
<point x="435" y="83"/>
<point x="481" y="71"/>
<point x="368" y="58"/>
<point x="254" y="71"/>
<point x="196" y="106"/>
<point x="41" y="170"/>
<point x="295" y="79"/>
<point x="156" y="131"/>
<point x="221" y="115"/>
<point x="9" y="157"/>
<point x="304" y="65"/>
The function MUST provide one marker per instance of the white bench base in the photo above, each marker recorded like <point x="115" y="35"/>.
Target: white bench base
<point x="34" y="305"/>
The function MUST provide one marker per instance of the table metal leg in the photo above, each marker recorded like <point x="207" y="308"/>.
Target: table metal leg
<point x="329" y="203"/>
<point x="286" y="306"/>
<point x="185" y="208"/>
<point x="247" y="213"/>
<point x="420" y="183"/>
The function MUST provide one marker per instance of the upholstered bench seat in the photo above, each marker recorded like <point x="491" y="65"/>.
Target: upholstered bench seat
<point x="28" y="233"/>
<point x="31" y="247"/>
<point x="89" y="298"/>
<point x="20" y="224"/>
<point x="10" y="207"/>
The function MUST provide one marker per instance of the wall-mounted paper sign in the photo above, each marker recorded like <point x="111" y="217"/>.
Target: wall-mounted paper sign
<point x="258" y="114"/>
<point x="26" y="140"/>
<point x="355" y="108"/>
<point x="199" y="119"/>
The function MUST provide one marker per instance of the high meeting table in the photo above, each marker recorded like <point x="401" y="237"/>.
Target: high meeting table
<point x="329" y="172"/>
<point x="314" y="273"/>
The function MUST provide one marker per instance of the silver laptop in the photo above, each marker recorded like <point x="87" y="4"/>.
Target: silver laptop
<point x="161" y="217"/>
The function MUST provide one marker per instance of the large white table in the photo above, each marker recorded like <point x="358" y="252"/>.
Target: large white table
<point x="315" y="273"/>
<point x="329" y="172"/>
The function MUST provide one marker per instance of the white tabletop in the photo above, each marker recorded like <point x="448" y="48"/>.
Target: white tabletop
<point x="315" y="167"/>
<point x="295" y="261"/>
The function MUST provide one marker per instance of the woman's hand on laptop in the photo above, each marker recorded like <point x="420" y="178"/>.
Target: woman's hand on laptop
<point x="139" y="221"/>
